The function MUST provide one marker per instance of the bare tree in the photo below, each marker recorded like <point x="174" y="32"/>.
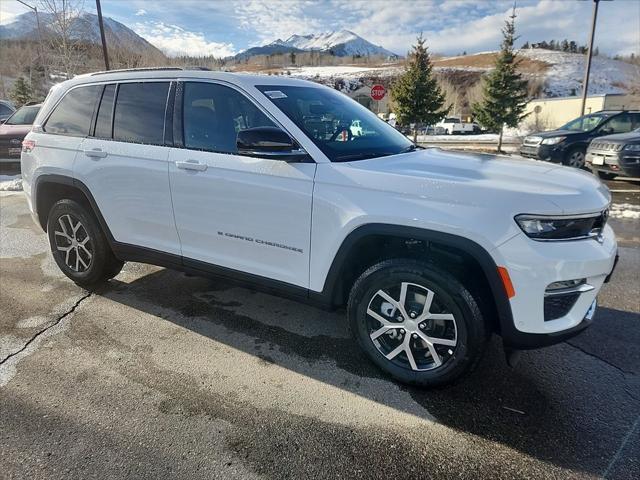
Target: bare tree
<point x="64" y="35"/>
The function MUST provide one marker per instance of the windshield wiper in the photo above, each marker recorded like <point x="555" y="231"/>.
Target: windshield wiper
<point x="360" y="156"/>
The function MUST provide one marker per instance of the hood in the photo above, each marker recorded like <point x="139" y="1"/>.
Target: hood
<point x="556" y="133"/>
<point x="14" y="130"/>
<point x="629" y="137"/>
<point x="493" y="182"/>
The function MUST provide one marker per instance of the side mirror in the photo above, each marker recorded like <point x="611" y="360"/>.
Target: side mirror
<point x="268" y="142"/>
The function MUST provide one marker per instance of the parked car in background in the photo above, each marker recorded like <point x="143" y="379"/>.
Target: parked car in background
<point x="13" y="131"/>
<point x="614" y="155"/>
<point x="455" y="126"/>
<point x="568" y="144"/>
<point x="6" y="110"/>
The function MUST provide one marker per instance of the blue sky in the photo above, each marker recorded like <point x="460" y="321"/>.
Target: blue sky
<point x="225" y="27"/>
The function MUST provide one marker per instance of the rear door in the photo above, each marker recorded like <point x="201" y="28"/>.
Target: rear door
<point x="247" y="214"/>
<point x="125" y="164"/>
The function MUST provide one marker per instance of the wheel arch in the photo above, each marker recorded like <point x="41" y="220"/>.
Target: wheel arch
<point x="50" y="188"/>
<point x="445" y="244"/>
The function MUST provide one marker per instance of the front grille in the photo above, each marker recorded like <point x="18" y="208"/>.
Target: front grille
<point x="606" y="146"/>
<point x="557" y="306"/>
<point x="532" y="141"/>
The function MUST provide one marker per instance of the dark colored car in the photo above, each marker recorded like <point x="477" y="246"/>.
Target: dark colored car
<point x="13" y="131"/>
<point x="6" y="110"/>
<point x="568" y="144"/>
<point x="615" y="155"/>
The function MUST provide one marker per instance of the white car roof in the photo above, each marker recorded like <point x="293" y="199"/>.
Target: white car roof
<point x="240" y="79"/>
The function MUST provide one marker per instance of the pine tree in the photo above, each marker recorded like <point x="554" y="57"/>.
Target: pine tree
<point x="416" y="94"/>
<point x="505" y="92"/>
<point x="21" y="92"/>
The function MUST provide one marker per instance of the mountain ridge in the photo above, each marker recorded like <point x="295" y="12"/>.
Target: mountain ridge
<point x="341" y="43"/>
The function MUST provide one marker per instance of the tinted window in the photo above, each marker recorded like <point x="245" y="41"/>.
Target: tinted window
<point x="139" y="113"/>
<point x="105" y="111"/>
<point x="618" y="124"/>
<point x="24" y="116"/>
<point x="73" y="114"/>
<point x="4" y="110"/>
<point x="214" y="114"/>
<point x="327" y="116"/>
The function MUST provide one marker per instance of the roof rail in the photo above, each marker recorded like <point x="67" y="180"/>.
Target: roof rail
<point x="146" y="69"/>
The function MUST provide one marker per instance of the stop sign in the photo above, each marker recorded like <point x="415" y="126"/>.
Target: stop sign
<point x="378" y="92"/>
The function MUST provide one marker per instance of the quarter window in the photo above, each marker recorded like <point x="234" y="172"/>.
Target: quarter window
<point x="214" y="114"/>
<point x="73" y="114"/>
<point x="140" y="112"/>
<point x="105" y="112"/>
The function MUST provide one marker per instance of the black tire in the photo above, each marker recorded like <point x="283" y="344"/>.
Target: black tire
<point x="450" y="297"/>
<point x="575" y="157"/>
<point x="606" y="175"/>
<point x="96" y="263"/>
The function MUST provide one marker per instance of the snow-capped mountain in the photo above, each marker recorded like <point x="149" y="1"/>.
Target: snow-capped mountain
<point x="85" y="28"/>
<point x="342" y="43"/>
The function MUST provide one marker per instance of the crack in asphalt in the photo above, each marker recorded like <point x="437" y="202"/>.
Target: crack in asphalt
<point x="586" y="352"/>
<point x="51" y="325"/>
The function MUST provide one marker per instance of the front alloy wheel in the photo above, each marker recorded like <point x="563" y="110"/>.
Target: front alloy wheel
<point x="415" y="331"/>
<point x="416" y="322"/>
<point x="576" y="159"/>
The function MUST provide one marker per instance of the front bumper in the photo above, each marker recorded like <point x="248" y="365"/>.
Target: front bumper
<point x="548" y="153"/>
<point x="621" y="163"/>
<point x="533" y="266"/>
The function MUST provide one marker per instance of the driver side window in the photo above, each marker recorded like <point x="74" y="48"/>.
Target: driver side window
<point x="214" y="114"/>
<point x="618" y="124"/>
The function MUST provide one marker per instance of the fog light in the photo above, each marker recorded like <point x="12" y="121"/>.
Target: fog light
<point x="565" y="284"/>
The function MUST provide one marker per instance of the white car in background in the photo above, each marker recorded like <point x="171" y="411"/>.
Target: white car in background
<point x="455" y="126"/>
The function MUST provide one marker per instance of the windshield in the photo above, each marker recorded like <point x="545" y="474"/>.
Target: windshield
<point x="24" y="116"/>
<point x="586" y="123"/>
<point x="343" y="129"/>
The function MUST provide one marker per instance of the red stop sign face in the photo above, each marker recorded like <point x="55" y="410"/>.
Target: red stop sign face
<point x="378" y="92"/>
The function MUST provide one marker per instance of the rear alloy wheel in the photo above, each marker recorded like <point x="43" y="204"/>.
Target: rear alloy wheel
<point x="416" y="322"/>
<point x="79" y="246"/>
<point x="576" y="158"/>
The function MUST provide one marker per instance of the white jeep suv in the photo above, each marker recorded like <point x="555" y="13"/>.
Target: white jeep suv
<point x="260" y="180"/>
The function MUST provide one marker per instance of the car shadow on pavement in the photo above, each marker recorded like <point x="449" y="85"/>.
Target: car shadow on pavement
<point x="564" y="405"/>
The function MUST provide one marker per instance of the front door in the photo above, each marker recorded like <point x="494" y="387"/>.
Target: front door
<point x="248" y="214"/>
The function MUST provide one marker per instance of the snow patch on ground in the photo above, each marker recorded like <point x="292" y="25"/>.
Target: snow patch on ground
<point x="10" y="183"/>
<point x="625" y="210"/>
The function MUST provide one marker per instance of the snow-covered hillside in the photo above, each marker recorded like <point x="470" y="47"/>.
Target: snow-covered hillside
<point x="561" y="72"/>
<point x="566" y="71"/>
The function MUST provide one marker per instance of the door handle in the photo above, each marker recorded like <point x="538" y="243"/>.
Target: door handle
<point x="96" y="153"/>
<point x="192" y="165"/>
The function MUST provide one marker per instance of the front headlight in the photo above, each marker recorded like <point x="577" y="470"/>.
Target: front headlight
<point x="632" y="148"/>
<point x="553" y="140"/>
<point x="544" y="228"/>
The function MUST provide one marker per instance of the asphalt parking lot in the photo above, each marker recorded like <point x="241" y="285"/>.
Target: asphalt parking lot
<point x="162" y="375"/>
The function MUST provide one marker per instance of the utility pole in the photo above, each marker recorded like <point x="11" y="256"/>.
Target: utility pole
<point x="104" y="40"/>
<point x="40" y="53"/>
<point x="585" y="83"/>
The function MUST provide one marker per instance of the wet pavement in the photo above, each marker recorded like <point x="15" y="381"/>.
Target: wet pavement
<point x="162" y="375"/>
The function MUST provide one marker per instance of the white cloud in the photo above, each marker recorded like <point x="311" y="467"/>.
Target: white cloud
<point x="273" y="19"/>
<point x="141" y="12"/>
<point x="10" y="10"/>
<point x="175" y="40"/>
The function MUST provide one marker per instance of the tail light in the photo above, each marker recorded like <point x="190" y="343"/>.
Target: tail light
<point x="28" y="145"/>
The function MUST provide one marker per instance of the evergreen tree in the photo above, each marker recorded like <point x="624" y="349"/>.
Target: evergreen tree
<point x="416" y="94"/>
<point x="21" y="92"/>
<point x="505" y="92"/>
<point x="565" y="45"/>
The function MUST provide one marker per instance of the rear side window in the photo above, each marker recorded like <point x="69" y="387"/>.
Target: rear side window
<point x="72" y="116"/>
<point x="105" y="112"/>
<point x="140" y="112"/>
